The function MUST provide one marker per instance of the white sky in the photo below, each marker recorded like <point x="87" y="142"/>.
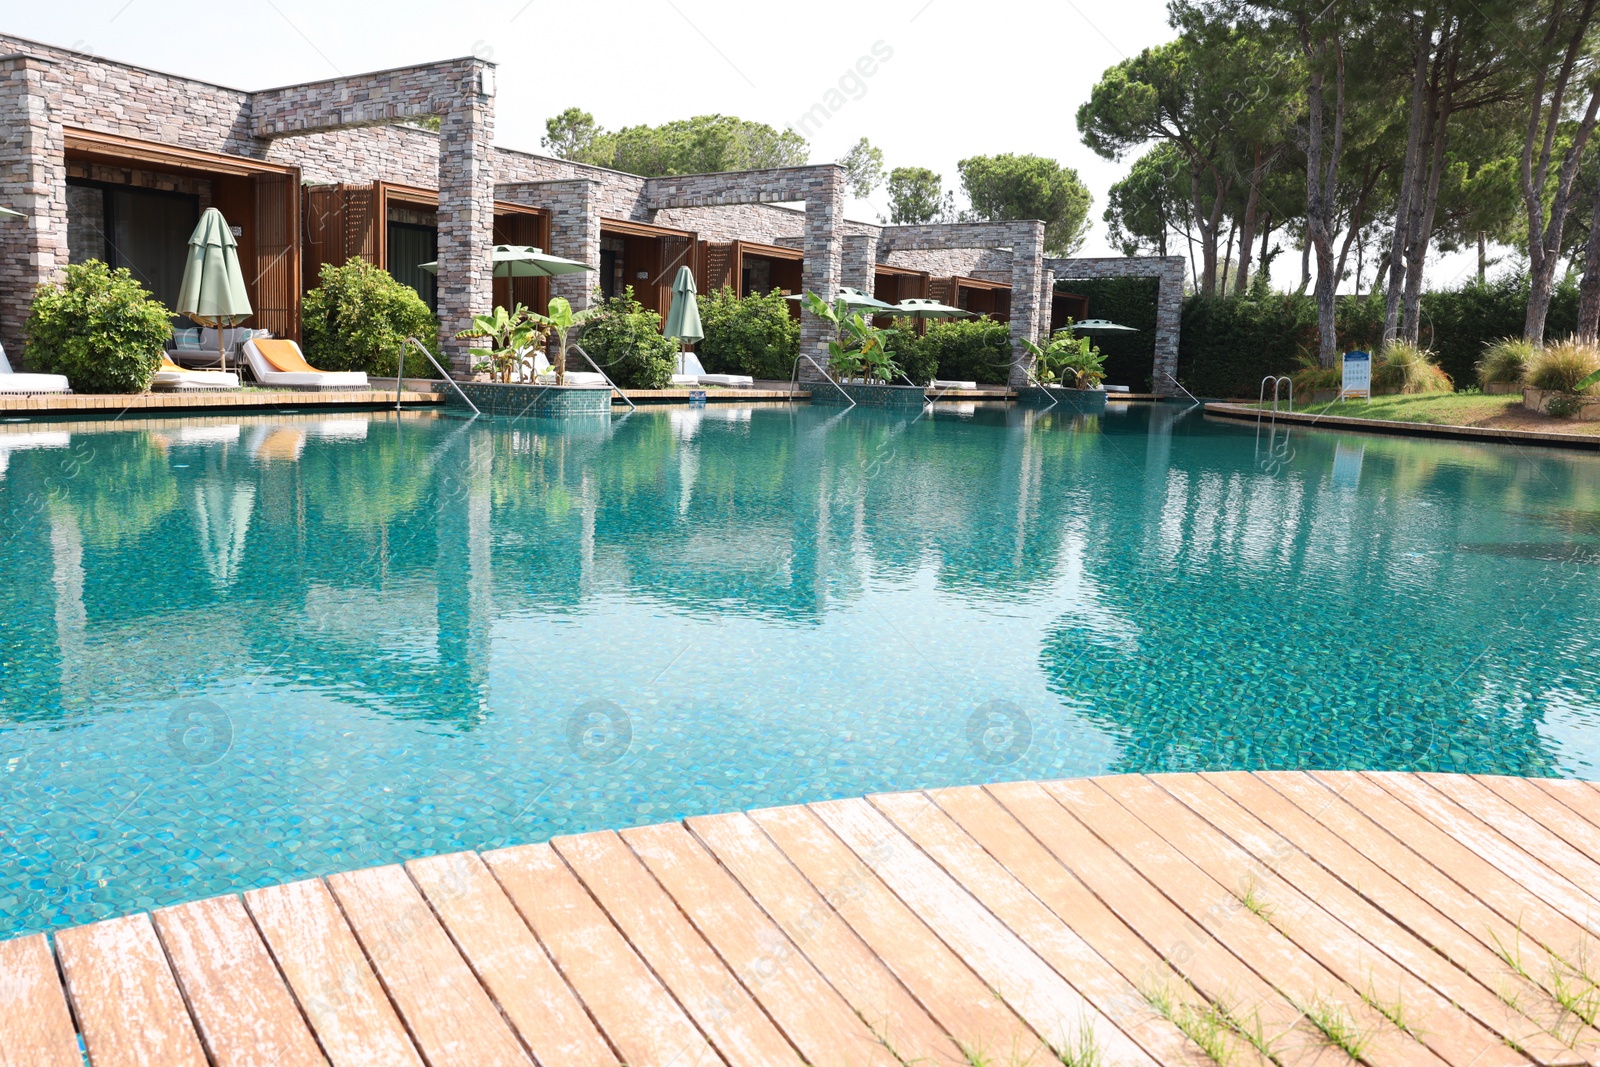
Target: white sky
<point x="964" y="78"/>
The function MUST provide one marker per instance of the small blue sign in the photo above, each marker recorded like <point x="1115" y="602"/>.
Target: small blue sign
<point x="697" y="398"/>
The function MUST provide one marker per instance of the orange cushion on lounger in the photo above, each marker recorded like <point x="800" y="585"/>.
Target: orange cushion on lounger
<point x="284" y="356"/>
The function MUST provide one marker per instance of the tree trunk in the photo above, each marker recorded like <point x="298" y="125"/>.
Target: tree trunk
<point x="1322" y="176"/>
<point x="1589" y="288"/>
<point x="1544" y="240"/>
<point x="1402" y="214"/>
<point x="1305" y="266"/>
<point x="1247" y="228"/>
<point x="1422" y="217"/>
<point x="1265" y="263"/>
<point x="1227" y="257"/>
<point x="1483" y="257"/>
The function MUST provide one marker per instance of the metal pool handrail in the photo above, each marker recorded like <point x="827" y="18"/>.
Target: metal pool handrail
<point x="794" y="379"/>
<point x="575" y="347"/>
<point x="1278" y="382"/>
<point x="1174" y="381"/>
<point x="400" y="374"/>
<point x="1043" y="388"/>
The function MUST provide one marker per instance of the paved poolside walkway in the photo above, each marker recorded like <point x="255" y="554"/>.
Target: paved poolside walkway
<point x="1290" y="918"/>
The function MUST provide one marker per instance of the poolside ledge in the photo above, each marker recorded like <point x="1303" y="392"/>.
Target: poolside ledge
<point x="1127" y="917"/>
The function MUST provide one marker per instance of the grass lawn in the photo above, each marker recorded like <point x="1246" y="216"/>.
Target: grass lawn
<point x="1504" y="412"/>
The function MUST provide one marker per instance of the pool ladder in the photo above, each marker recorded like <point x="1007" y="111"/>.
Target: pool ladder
<point x="1278" y="382"/>
<point x="1278" y="455"/>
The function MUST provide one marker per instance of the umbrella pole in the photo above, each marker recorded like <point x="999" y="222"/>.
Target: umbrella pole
<point x="222" y="353"/>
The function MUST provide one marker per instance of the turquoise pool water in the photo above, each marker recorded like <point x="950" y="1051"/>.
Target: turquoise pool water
<point x="237" y="652"/>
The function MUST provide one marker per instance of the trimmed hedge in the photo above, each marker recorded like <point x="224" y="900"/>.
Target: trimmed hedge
<point x="359" y="316"/>
<point x="977" y="350"/>
<point x="754" y="335"/>
<point x="625" y="339"/>
<point x="1227" y="345"/>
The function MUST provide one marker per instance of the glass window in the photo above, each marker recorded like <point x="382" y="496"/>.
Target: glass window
<point x="409" y="245"/>
<point x="144" y="230"/>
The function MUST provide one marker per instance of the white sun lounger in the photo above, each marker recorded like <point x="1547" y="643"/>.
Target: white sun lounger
<point x="541" y="367"/>
<point x="11" y="382"/>
<point x="170" y="376"/>
<point x="939" y="383"/>
<point x="695" y="374"/>
<point x="289" y="369"/>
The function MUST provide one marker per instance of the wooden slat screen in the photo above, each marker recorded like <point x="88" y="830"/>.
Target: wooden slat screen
<point x="276" y="274"/>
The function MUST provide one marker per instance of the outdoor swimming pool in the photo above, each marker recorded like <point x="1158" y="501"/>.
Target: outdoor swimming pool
<point x="238" y="652"/>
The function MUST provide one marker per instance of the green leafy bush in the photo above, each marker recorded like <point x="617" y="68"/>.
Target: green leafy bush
<point x="100" y="328"/>
<point x="1227" y="345"/>
<point x="1563" y="365"/>
<point x="1564" y="406"/>
<point x="1130" y="357"/>
<point x="752" y="335"/>
<point x="1505" y="360"/>
<point x="964" y="350"/>
<point x="1405" y="368"/>
<point x="625" y="339"/>
<point x="358" y="317"/>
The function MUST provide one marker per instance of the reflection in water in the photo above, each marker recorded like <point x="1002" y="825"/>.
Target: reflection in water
<point x="397" y="623"/>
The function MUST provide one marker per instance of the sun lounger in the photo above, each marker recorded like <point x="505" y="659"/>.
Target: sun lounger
<point x="541" y="367"/>
<point x="279" y="362"/>
<point x="170" y="376"/>
<point x="939" y="383"/>
<point x="13" y="383"/>
<point x="695" y="374"/>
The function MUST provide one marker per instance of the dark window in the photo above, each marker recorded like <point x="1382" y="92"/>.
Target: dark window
<point x="145" y="230"/>
<point x="409" y="245"/>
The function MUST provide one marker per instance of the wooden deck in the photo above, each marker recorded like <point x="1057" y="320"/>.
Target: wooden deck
<point x="204" y="401"/>
<point x="1235" y="919"/>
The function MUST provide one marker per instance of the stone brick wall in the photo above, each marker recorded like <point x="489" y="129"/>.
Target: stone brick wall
<point x="33" y="180"/>
<point x="1031" y="281"/>
<point x="378" y="98"/>
<point x="945" y="262"/>
<point x="403" y="154"/>
<point x="765" y="223"/>
<point x="1169" y="301"/>
<point x="574" y="227"/>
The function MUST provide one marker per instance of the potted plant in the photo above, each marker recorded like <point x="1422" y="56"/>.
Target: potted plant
<point x="1067" y="364"/>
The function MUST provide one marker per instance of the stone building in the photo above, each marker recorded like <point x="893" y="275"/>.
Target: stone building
<point x="112" y="161"/>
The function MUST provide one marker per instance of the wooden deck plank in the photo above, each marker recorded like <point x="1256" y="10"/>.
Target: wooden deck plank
<point x="940" y="980"/>
<point x="1187" y="946"/>
<point x="449" y="1015"/>
<point x="1563" y="811"/>
<point x="1305" y="980"/>
<point x="712" y="994"/>
<point x="1413" y="894"/>
<point x="1052" y="1007"/>
<point x="1317" y="914"/>
<point x="1061" y="945"/>
<point x="837" y="951"/>
<point x="124" y="996"/>
<point x="509" y="961"/>
<point x="35" y="1025"/>
<point x="329" y="976"/>
<point x="1534" y="878"/>
<point x="775" y="970"/>
<point x="1474" y="1022"/>
<point x="1529" y="834"/>
<point x="241" y="1007"/>
<point x="643" y="1022"/>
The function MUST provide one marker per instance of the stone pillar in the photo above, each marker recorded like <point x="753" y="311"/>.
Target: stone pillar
<point x="466" y="211"/>
<point x="33" y="180"/>
<point x="574" y="234"/>
<point x="1028" y="278"/>
<point x="1169" y="313"/>
<point x="823" y="267"/>
<point x="859" y="260"/>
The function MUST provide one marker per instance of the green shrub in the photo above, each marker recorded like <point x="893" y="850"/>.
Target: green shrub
<point x="358" y="317"/>
<point x="1505" y="360"/>
<point x="625" y="339"/>
<point x="754" y="335"/>
<point x="1564" y="406"/>
<point x="1130" y="357"/>
<point x="1561" y="366"/>
<point x="1405" y="368"/>
<point x="965" y="350"/>
<point x="100" y="328"/>
<point x="1227" y="345"/>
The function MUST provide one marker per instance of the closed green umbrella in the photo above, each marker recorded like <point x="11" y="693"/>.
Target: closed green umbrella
<point x="683" y="317"/>
<point x="523" y="261"/>
<point x="213" y="292"/>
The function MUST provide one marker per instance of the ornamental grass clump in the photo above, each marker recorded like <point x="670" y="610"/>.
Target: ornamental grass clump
<point x="1563" y="367"/>
<point x="1505" y="361"/>
<point x="100" y="328"/>
<point x="1404" y="367"/>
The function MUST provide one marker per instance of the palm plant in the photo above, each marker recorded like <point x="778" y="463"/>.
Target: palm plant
<point x="509" y="333"/>
<point x="1070" y="360"/>
<point x="859" y="349"/>
<point x="562" y="320"/>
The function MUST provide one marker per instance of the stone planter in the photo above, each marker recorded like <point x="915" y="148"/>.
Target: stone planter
<point x="1324" y="396"/>
<point x="897" y="397"/>
<point x="1087" y="401"/>
<point x="1502" y="388"/>
<point x="541" y="401"/>
<point x="1538" y="400"/>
